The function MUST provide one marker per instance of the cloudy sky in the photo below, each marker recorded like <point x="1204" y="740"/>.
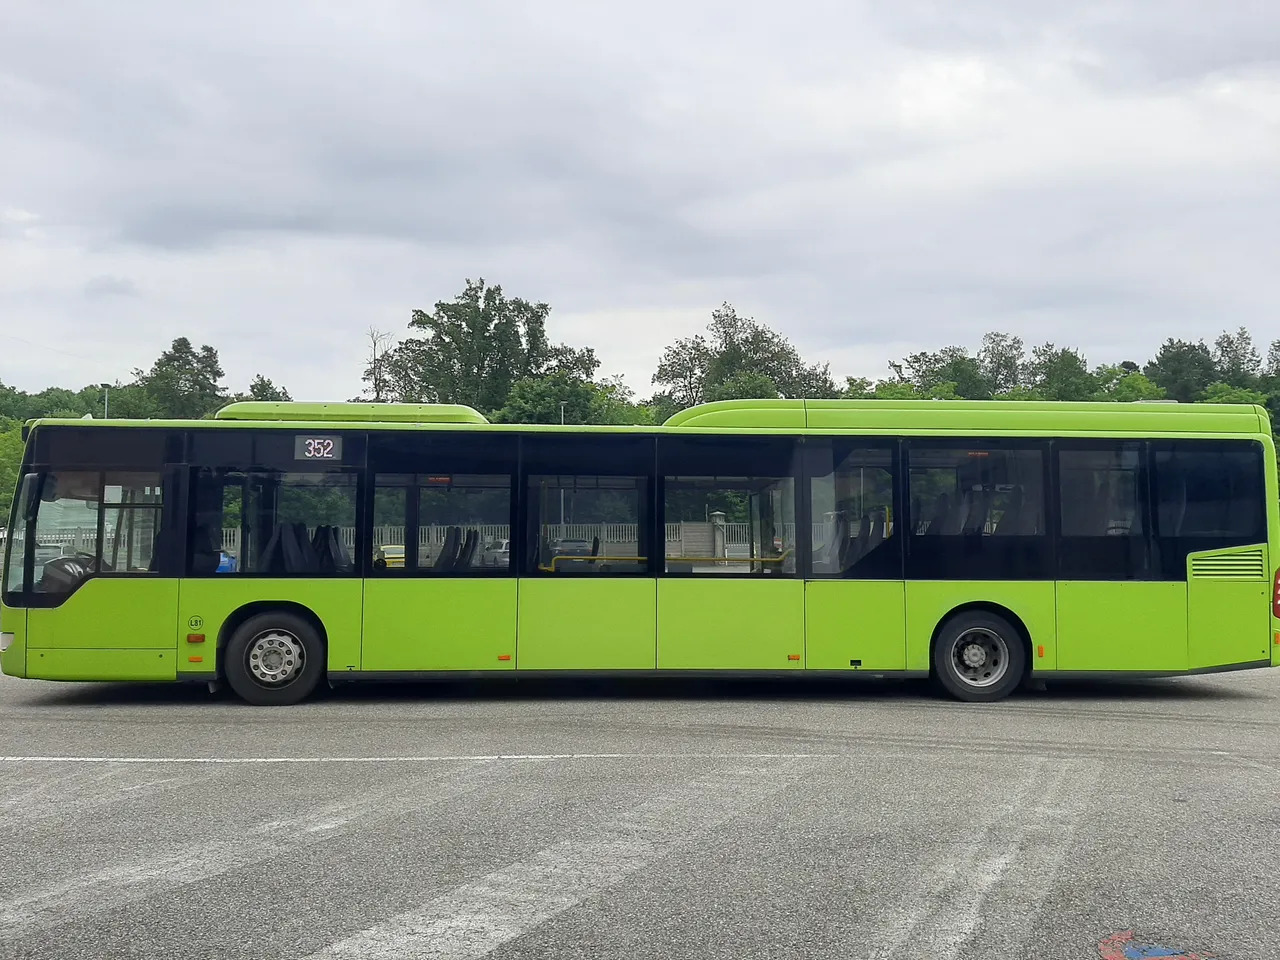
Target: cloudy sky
<point x="870" y="178"/>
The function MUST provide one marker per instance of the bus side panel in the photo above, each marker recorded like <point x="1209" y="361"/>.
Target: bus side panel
<point x="13" y="661"/>
<point x="108" y="612"/>
<point x="1122" y="625"/>
<point x="863" y="620"/>
<point x="1228" y="607"/>
<point x="424" y="623"/>
<point x="588" y="623"/>
<point x="730" y="624"/>
<point x="206" y="603"/>
<point x="1032" y="601"/>
<point x="99" y="663"/>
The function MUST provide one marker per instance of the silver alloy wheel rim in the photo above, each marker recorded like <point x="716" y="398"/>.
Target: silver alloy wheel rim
<point x="275" y="657"/>
<point x="979" y="657"/>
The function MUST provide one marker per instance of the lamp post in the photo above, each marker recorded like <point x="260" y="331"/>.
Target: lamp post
<point x="106" y="395"/>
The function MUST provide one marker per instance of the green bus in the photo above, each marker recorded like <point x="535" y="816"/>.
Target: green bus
<point x="982" y="544"/>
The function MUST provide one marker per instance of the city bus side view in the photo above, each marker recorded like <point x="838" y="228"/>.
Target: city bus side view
<point x="982" y="544"/>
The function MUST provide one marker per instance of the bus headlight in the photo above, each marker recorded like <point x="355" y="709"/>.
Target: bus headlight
<point x="6" y="641"/>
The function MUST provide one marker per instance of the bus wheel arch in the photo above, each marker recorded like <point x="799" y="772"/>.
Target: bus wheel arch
<point x="280" y="629"/>
<point x="996" y="627"/>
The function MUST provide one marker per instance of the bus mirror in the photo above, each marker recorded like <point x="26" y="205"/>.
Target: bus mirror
<point x="48" y="489"/>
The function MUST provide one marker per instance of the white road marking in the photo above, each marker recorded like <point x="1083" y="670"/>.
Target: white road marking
<point x="476" y="918"/>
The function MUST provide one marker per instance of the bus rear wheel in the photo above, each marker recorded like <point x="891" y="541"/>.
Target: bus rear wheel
<point x="274" y="659"/>
<point x="979" y="657"/>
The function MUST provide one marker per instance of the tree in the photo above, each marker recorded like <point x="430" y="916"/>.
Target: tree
<point x="260" y="388"/>
<point x="1236" y="360"/>
<point x="10" y="458"/>
<point x="376" y="373"/>
<point x="739" y="357"/>
<point x="473" y="349"/>
<point x="927" y="372"/>
<point x="184" y="382"/>
<point x="1060" y="373"/>
<point x="546" y="399"/>
<point x="1182" y="369"/>
<point x="1120" y="383"/>
<point x="1002" y="358"/>
<point x="1226" y="393"/>
<point x="744" y="385"/>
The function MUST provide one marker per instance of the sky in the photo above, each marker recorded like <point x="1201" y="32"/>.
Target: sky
<point x="869" y="178"/>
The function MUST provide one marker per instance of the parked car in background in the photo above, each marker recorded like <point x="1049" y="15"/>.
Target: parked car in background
<point x="389" y="554"/>
<point x="497" y="554"/>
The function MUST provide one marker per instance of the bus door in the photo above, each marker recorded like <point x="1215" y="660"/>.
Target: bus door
<point x="731" y="597"/>
<point x="440" y="595"/>
<point x="1117" y="608"/>
<point x="855" y="602"/>
<point x="585" y="556"/>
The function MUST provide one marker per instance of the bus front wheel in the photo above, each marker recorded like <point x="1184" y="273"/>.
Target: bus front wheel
<point x="274" y="659"/>
<point x="979" y="657"/>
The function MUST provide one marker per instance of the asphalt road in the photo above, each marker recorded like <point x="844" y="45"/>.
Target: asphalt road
<point x="725" y="820"/>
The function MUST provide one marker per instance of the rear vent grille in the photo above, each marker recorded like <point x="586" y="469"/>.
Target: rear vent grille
<point x="1232" y="566"/>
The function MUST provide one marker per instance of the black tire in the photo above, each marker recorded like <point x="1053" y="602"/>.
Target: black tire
<point x="274" y="659"/>
<point x="979" y="657"/>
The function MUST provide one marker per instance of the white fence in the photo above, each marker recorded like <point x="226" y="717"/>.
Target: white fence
<point x="698" y="534"/>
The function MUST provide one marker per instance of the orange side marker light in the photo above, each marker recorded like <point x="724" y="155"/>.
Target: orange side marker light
<point x="195" y="659"/>
<point x="195" y="638"/>
<point x="1040" y="650"/>
<point x="504" y="656"/>
<point x="793" y="656"/>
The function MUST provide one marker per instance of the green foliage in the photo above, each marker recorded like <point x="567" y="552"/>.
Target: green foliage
<point x="1226" y="393"/>
<point x="544" y="399"/>
<point x="473" y="349"/>
<point x="10" y="460"/>
<point x="184" y="382"/>
<point x="1060" y="373"/>
<point x="1182" y="369"/>
<point x="738" y="358"/>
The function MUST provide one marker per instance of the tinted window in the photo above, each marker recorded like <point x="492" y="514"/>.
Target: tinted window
<point x="440" y="502"/>
<point x="852" y="505"/>
<point x="729" y="505"/>
<point x="588" y="505"/>
<point x="1102" y="502"/>
<point x="272" y="524"/>
<point x="1211" y="491"/>
<point x="977" y="511"/>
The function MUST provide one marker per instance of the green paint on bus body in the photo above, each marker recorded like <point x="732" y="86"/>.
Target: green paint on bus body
<point x="1122" y="625"/>
<point x="730" y="624"/>
<point x="855" y="620"/>
<point x="588" y="623"/>
<point x="438" y="624"/>
<point x="676" y="623"/>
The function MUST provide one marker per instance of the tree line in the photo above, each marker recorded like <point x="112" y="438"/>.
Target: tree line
<point x="492" y="352"/>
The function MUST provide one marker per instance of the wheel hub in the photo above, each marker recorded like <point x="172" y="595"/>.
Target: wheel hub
<point x="973" y="655"/>
<point x="275" y="657"/>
